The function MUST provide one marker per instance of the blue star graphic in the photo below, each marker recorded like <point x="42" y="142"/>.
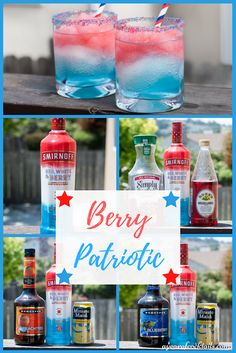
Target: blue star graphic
<point x="64" y="276"/>
<point x="171" y="199"/>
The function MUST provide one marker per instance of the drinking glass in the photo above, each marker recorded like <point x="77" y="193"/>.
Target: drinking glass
<point x="149" y="64"/>
<point x="84" y="51"/>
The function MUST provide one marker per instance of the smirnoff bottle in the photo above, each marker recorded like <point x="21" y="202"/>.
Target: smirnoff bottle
<point x="58" y="304"/>
<point x="29" y="307"/>
<point x="204" y="189"/>
<point x="183" y="304"/>
<point x="177" y="170"/>
<point x="153" y="316"/>
<point x="145" y="174"/>
<point x="58" y="162"/>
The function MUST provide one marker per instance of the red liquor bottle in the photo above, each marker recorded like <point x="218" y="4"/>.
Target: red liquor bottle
<point x="58" y="162"/>
<point x="58" y="303"/>
<point x="177" y="170"/>
<point x="204" y="189"/>
<point x="183" y="304"/>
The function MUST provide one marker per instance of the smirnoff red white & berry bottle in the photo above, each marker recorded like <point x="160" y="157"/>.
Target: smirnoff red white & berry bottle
<point x="58" y="163"/>
<point x="183" y="304"/>
<point x="58" y="305"/>
<point x="177" y="171"/>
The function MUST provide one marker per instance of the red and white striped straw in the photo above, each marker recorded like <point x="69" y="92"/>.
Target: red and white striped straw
<point x="162" y="14"/>
<point x="100" y="10"/>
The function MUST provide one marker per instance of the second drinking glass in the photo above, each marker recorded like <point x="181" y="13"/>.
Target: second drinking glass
<point x="149" y="65"/>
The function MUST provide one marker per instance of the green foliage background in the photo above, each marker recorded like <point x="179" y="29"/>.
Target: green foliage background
<point x="13" y="252"/>
<point x="88" y="133"/>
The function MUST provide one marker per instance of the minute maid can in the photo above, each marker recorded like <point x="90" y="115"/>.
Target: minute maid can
<point x="83" y="323"/>
<point x="208" y="324"/>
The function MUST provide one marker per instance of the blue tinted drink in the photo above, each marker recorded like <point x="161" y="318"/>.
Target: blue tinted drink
<point x="84" y="50"/>
<point x="149" y="65"/>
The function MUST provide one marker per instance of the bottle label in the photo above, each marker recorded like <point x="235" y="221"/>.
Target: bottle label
<point x="58" y="157"/>
<point x="146" y="182"/>
<point x="205" y="202"/>
<point x="177" y="163"/>
<point x="57" y="173"/>
<point x="29" y="321"/>
<point x="29" y="272"/>
<point x="153" y="322"/>
<point x="177" y="175"/>
<point x="58" y="303"/>
<point x="183" y="303"/>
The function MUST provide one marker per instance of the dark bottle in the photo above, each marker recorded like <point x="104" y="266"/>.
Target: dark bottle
<point x="29" y="307"/>
<point x="153" y="322"/>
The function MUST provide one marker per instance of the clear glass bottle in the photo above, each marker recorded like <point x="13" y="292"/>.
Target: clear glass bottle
<point x="145" y="174"/>
<point x="204" y="189"/>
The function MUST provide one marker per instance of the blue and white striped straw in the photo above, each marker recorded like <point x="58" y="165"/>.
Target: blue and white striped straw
<point x="162" y="14"/>
<point x="100" y="10"/>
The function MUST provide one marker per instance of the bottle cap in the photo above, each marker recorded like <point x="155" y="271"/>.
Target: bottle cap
<point x="29" y="252"/>
<point x="153" y="287"/>
<point x="145" y="139"/>
<point x="177" y="132"/>
<point x="58" y="124"/>
<point x="204" y="142"/>
<point x="183" y="254"/>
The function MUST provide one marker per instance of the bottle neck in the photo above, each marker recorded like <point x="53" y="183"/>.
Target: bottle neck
<point x="29" y="275"/>
<point x="29" y="291"/>
<point x="154" y="289"/>
<point x="204" y="169"/>
<point x="145" y="153"/>
<point x="57" y="132"/>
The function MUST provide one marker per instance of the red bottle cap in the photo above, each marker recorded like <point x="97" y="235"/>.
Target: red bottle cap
<point x="183" y="254"/>
<point x="177" y="129"/>
<point x="58" y="124"/>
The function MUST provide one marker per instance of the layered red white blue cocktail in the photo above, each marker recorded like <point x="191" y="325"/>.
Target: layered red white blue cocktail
<point x="84" y="50"/>
<point x="149" y="64"/>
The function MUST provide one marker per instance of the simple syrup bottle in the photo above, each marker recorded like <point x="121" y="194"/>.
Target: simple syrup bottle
<point x="153" y="315"/>
<point x="58" y="162"/>
<point x="177" y="170"/>
<point x="183" y="304"/>
<point x="145" y="174"/>
<point x="29" y="307"/>
<point x="204" y="189"/>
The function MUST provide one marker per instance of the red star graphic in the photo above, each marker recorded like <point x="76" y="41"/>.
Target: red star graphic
<point x="64" y="199"/>
<point x="170" y="276"/>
